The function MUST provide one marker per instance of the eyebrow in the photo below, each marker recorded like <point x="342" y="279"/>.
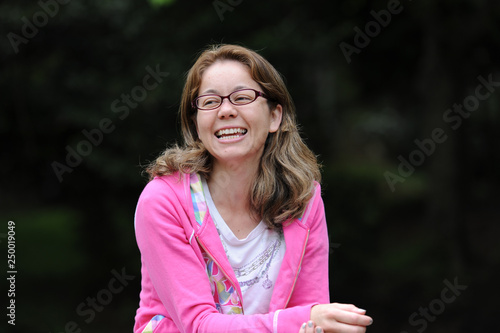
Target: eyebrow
<point x="213" y="91"/>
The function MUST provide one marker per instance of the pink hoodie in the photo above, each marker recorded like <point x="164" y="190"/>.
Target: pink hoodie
<point x="188" y="284"/>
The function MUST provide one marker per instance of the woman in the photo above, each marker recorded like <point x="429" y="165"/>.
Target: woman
<point x="231" y="227"/>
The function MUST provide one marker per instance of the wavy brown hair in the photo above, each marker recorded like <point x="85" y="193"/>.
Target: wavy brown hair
<point x="284" y="181"/>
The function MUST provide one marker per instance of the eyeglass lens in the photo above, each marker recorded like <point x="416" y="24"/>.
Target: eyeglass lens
<point x="239" y="97"/>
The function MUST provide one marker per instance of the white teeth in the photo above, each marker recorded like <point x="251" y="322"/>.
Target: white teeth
<point x="230" y="131"/>
<point x="229" y="137"/>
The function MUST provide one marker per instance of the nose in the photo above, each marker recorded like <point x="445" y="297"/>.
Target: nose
<point x="226" y="109"/>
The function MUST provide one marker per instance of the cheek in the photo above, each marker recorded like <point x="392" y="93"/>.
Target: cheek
<point x="203" y="127"/>
<point x="198" y="122"/>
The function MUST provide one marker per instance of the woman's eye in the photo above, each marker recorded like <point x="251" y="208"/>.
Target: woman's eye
<point x="242" y="98"/>
<point x="210" y="101"/>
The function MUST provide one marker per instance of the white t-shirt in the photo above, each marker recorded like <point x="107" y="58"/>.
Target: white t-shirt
<point x="256" y="259"/>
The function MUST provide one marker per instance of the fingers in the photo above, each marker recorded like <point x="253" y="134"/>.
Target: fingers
<point x="349" y="307"/>
<point x="336" y="317"/>
<point x="310" y="327"/>
<point x="353" y="317"/>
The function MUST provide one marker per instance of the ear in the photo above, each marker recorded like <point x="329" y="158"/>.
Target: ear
<point x="276" y="116"/>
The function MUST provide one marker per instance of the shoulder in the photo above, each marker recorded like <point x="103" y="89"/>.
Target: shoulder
<point x="170" y="188"/>
<point x="164" y="200"/>
<point x="315" y="209"/>
<point x="315" y="195"/>
<point x="316" y="187"/>
<point x="173" y="181"/>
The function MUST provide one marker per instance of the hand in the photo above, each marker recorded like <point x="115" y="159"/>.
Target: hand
<point x="310" y="327"/>
<point x="340" y="318"/>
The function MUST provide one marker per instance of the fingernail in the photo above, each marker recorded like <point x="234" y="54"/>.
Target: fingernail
<point x="319" y="330"/>
<point x="361" y="309"/>
<point x="371" y="321"/>
<point x="310" y="324"/>
<point x="303" y="325"/>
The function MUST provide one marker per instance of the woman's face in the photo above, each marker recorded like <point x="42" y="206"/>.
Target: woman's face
<point x="234" y="134"/>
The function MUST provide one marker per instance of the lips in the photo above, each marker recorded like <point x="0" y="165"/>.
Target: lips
<point x="230" y="133"/>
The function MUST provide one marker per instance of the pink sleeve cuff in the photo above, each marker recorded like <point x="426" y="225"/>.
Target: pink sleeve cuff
<point x="291" y="319"/>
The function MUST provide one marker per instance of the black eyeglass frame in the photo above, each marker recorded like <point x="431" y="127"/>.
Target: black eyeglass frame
<point x="257" y="95"/>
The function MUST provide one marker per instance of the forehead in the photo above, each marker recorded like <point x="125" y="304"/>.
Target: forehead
<point x="223" y="76"/>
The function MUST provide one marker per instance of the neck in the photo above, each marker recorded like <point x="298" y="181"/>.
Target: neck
<point x="230" y="185"/>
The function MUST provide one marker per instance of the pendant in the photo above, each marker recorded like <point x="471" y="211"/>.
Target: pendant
<point x="267" y="283"/>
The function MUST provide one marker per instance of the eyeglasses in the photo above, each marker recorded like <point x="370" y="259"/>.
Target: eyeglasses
<point x="239" y="97"/>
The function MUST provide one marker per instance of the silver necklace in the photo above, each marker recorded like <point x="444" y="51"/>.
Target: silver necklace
<point x="267" y="283"/>
<point x="269" y="253"/>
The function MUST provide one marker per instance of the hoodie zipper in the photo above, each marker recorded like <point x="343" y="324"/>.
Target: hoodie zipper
<point x="223" y="271"/>
<point x="298" y="270"/>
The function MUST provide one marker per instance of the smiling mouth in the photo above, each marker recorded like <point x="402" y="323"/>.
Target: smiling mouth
<point x="230" y="133"/>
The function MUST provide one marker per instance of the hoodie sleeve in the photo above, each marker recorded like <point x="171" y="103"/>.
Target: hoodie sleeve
<point x="312" y="284"/>
<point x="176" y="281"/>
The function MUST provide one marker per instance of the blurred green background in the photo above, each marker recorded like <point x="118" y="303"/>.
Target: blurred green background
<point x="362" y="102"/>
